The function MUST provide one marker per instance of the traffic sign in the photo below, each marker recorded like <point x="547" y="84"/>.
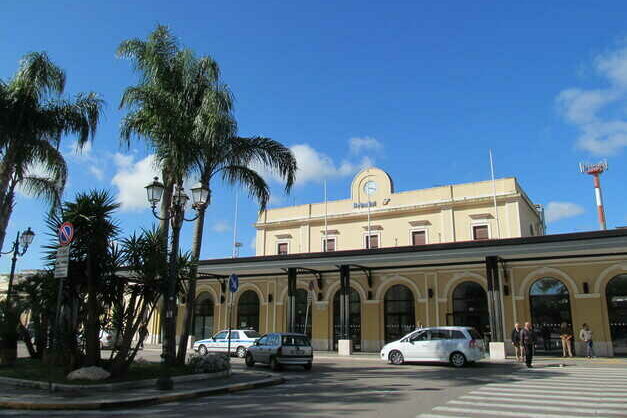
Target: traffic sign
<point x="233" y="283"/>
<point x="62" y="262"/>
<point x="66" y="233"/>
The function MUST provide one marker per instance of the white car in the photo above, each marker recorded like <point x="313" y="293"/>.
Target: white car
<point x="455" y="345"/>
<point x="241" y="339"/>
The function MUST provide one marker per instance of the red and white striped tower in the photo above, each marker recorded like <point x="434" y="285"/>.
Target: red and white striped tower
<point x="596" y="170"/>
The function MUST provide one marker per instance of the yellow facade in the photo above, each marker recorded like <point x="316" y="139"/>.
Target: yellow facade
<point x="517" y="274"/>
<point x="446" y="214"/>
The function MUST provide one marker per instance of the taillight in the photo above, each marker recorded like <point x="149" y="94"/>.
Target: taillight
<point x="472" y="343"/>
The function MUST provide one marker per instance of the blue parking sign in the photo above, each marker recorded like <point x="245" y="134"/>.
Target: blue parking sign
<point x="233" y="283"/>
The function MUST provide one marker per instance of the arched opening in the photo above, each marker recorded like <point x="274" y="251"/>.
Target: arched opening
<point x="550" y="307"/>
<point x="303" y="313"/>
<point x="400" y="317"/>
<point x="203" y="317"/>
<point x="616" y="294"/>
<point x="248" y="310"/>
<point x="354" y="319"/>
<point x="470" y="307"/>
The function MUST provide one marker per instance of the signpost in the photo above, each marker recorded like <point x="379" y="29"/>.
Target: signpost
<point x="233" y="286"/>
<point x="62" y="262"/>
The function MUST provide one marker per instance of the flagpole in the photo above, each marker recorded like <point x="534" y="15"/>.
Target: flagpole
<point x="496" y="213"/>
<point x="234" y="254"/>
<point x="326" y="225"/>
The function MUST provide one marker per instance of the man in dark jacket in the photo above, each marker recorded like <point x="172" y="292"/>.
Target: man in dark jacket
<point x="516" y="341"/>
<point x="527" y="340"/>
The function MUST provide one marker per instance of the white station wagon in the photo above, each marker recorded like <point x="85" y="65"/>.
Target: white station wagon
<point x="455" y="345"/>
<point x="241" y="339"/>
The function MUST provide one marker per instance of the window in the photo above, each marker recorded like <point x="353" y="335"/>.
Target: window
<point x="328" y="244"/>
<point x="372" y="241"/>
<point x="282" y="248"/>
<point x="419" y="336"/>
<point x="295" y="340"/>
<point x="220" y="335"/>
<point x="263" y="340"/>
<point x="458" y="335"/>
<point x="252" y="334"/>
<point x="234" y="335"/>
<point x="439" y="334"/>
<point x="480" y="232"/>
<point x="418" y="237"/>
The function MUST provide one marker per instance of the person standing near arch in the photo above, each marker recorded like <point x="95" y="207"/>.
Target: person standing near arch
<point x="528" y="339"/>
<point x="516" y="342"/>
<point x="586" y="336"/>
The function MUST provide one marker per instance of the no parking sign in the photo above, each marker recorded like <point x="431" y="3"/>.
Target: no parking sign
<point x="66" y="233"/>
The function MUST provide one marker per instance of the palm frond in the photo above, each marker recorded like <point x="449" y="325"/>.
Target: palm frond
<point x="252" y="182"/>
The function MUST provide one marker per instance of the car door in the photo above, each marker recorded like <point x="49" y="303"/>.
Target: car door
<point x="258" y="349"/>
<point x="219" y="342"/>
<point x="263" y="350"/>
<point x="414" y="346"/>
<point x="234" y="341"/>
<point x="439" y="347"/>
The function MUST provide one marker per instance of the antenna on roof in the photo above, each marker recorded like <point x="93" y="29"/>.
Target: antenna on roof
<point x="236" y="247"/>
<point x="596" y="170"/>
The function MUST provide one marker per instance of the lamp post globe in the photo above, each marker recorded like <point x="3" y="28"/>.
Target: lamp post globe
<point x="27" y="237"/>
<point x="154" y="191"/>
<point x="200" y="195"/>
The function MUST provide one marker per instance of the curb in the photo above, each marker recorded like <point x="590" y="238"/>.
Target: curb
<point x="143" y="400"/>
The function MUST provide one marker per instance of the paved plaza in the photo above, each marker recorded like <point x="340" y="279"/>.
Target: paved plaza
<point x="366" y="387"/>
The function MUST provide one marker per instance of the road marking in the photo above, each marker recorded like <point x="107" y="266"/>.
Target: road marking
<point x="466" y="411"/>
<point x="619" y="398"/>
<point x="591" y="409"/>
<point x="514" y="400"/>
<point x="545" y="393"/>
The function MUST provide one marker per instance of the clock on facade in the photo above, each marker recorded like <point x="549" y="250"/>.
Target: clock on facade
<point x="370" y="187"/>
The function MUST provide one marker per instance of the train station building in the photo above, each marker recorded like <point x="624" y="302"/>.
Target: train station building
<point x="373" y="267"/>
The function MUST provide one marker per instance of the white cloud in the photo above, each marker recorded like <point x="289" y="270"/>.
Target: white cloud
<point x="131" y="178"/>
<point x="97" y="172"/>
<point x="562" y="210"/>
<point x="358" y="145"/>
<point x="221" y="227"/>
<point x="600" y="133"/>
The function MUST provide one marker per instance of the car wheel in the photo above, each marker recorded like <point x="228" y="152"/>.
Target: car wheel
<point x="396" y="358"/>
<point x="241" y="352"/>
<point x="202" y="350"/>
<point x="274" y="364"/>
<point x="250" y="361"/>
<point x="307" y="366"/>
<point x="458" y="359"/>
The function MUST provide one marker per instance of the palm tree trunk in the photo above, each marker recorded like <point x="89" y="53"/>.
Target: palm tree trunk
<point x="191" y="287"/>
<point x="92" y="341"/>
<point x="7" y="197"/>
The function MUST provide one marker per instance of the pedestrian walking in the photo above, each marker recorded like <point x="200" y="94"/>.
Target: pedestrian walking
<point x="527" y="340"/>
<point x="516" y="341"/>
<point x="566" y="335"/>
<point x="586" y="336"/>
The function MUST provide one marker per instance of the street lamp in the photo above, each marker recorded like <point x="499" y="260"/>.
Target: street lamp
<point x="176" y="215"/>
<point x="23" y="239"/>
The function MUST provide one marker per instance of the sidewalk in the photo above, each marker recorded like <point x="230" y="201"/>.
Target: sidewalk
<point x="26" y="398"/>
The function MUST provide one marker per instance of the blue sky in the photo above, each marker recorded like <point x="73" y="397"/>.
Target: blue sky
<point x="420" y="89"/>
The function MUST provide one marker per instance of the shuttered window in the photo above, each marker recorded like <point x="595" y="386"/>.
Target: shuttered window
<point x="282" y="248"/>
<point x="418" y="237"/>
<point x="480" y="232"/>
<point x="372" y="241"/>
<point x="329" y="244"/>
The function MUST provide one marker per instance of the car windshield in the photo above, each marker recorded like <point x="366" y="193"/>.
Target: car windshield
<point x="252" y="334"/>
<point x="295" y="340"/>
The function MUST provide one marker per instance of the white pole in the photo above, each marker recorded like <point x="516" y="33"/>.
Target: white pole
<point x="235" y="251"/>
<point x="326" y="225"/>
<point x="496" y="212"/>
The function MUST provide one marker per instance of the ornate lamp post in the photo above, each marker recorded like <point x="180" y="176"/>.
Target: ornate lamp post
<point x="176" y="216"/>
<point x="22" y="240"/>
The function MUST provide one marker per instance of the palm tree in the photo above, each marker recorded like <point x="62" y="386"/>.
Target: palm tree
<point x="235" y="160"/>
<point x="33" y="119"/>
<point x="174" y="89"/>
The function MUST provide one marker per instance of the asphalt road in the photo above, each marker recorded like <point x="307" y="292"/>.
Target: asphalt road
<point x="367" y="387"/>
